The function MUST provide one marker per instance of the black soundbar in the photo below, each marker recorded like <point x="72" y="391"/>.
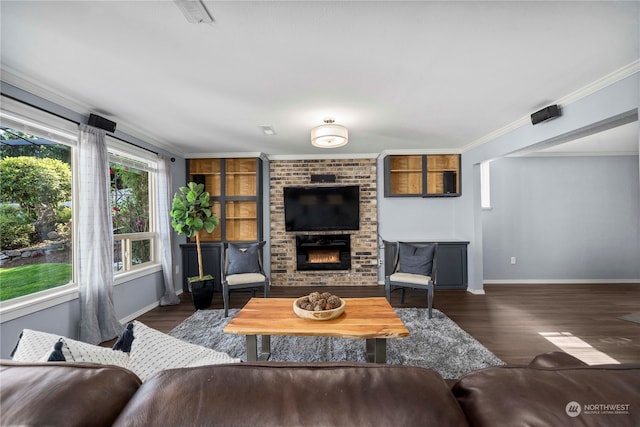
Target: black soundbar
<point x="547" y="113"/>
<point x="101" y="123"/>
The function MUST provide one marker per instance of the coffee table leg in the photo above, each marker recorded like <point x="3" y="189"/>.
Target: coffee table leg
<point x="266" y="347"/>
<point x="252" y="348"/>
<point x="377" y="350"/>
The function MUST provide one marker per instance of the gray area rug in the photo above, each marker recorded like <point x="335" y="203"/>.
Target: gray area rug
<point x="633" y="317"/>
<point x="436" y="343"/>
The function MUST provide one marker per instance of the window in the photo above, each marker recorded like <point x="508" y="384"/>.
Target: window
<point x="132" y="183"/>
<point x="35" y="208"/>
<point x="37" y="195"/>
<point x="485" y="184"/>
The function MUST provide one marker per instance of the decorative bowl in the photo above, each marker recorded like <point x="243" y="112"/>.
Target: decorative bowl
<point x="318" y="315"/>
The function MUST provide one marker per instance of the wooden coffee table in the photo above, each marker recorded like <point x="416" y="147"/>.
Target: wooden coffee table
<point x="372" y="319"/>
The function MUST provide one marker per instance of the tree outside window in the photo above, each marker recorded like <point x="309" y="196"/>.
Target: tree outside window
<point x="35" y="214"/>
<point x="133" y="243"/>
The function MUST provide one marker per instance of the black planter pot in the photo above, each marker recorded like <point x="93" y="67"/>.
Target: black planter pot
<point x="202" y="292"/>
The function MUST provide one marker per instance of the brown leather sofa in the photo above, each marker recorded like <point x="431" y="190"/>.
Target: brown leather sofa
<point x="554" y="390"/>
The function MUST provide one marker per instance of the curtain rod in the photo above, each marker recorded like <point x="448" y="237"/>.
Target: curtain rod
<point x="41" y="104"/>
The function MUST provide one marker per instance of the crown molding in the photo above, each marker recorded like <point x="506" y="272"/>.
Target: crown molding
<point x="587" y="90"/>
<point x="37" y="89"/>
<point x="323" y="156"/>
<point x="395" y="152"/>
<point x="239" y="154"/>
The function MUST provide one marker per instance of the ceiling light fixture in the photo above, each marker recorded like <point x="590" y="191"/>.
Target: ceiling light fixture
<point x="329" y="135"/>
<point x="194" y="11"/>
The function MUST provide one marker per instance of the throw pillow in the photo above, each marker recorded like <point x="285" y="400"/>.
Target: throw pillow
<point x="416" y="259"/>
<point x="243" y="259"/>
<point x="36" y="346"/>
<point x="32" y="345"/>
<point x="153" y="351"/>
<point x="83" y="352"/>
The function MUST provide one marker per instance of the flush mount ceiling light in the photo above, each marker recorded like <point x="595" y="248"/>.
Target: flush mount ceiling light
<point x="194" y="11"/>
<point x="329" y="135"/>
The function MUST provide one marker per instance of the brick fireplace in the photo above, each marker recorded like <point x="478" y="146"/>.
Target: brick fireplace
<point x="331" y="268"/>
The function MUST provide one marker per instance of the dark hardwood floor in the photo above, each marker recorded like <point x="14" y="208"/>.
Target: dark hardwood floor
<point x="508" y="319"/>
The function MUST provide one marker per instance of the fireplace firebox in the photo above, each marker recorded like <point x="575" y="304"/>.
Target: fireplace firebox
<point x="323" y="252"/>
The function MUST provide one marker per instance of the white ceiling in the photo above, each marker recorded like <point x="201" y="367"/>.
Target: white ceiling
<point x="419" y="75"/>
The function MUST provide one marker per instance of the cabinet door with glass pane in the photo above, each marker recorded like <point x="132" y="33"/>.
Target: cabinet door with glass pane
<point x="235" y="188"/>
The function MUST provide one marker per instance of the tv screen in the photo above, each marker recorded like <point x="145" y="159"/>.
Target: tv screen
<point x="322" y="208"/>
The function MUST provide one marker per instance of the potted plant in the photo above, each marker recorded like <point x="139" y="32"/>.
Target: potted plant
<point x="191" y="213"/>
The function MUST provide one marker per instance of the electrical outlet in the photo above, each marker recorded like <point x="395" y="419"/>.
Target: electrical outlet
<point x="379" y="262"/>
<point x="177" y="269"/>
<point x="513" y="260"/>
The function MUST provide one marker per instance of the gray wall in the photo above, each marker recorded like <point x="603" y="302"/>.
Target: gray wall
<point x="461" y="217"/>
<point x="564" y="219"/>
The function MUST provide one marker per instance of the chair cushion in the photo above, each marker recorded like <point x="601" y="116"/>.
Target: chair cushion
<point x="243" y="259"/>
<point x="241" y="279"/>
<point x="416" y="259"/>
<point x="417" y="279"/>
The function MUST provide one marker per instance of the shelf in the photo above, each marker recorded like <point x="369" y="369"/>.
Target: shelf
<point x="428" y="175"/>
<point x="234" y="185"/>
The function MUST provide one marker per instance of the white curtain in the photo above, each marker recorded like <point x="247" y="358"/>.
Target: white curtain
<point x="98" y="320"/>
<point x="164" y="230"/>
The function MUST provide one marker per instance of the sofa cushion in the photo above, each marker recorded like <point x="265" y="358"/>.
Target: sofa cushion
<point x="556" y="359"/>
<point x="63" y="394"/>
<point x="523" y="396"/>
<point x="270" y="394"/>
<point x="153" y="351"/>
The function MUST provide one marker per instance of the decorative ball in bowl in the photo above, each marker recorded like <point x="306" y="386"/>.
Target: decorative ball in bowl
<point x="319" y="306"/>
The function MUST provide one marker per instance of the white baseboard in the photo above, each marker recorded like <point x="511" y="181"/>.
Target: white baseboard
<point x="476" y="291"/>
<point x="143" y="310"/>
<point x="561" y="281"/>
<point x="140" y="312"/>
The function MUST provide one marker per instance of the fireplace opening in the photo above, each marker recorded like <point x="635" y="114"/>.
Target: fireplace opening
<point x="323" y="252"/>
<point x="323" y="256"/>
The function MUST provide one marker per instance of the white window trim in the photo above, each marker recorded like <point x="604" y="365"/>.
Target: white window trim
<point x="28" y="304"/>
<point x="119" y="148"/>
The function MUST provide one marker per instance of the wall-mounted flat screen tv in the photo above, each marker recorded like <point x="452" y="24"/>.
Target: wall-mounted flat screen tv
<point x="322" y="208"/>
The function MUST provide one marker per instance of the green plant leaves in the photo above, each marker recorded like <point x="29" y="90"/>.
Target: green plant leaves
<point x="191" y="211"/>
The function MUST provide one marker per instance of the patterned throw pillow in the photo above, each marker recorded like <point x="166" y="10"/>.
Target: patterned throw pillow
<point x="36" y="346"/>
<point x="83" y="352"/>
<point x="153" y="351"/>
<point x="33" y="345"/>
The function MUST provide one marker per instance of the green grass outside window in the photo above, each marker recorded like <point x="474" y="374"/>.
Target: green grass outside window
<point x="24" y="280"/>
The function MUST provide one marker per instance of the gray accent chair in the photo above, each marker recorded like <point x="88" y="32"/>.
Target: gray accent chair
<point x="414" y="267"/>
<point x="241" y="269"/>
